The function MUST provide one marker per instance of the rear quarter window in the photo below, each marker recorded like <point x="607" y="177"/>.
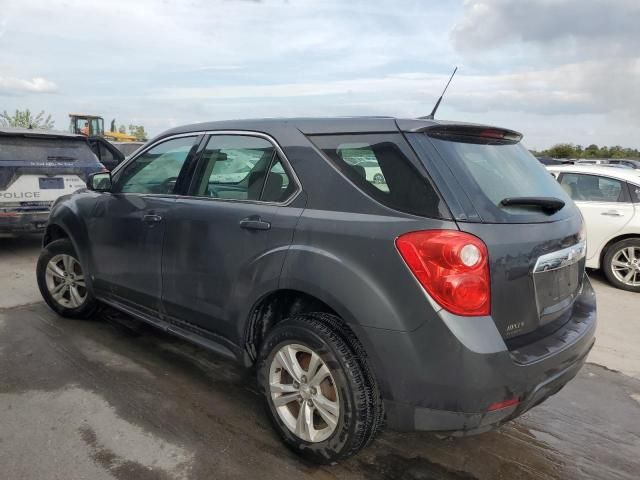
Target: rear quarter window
<point x="635" y="192"/>
<point x="377" y="164"/>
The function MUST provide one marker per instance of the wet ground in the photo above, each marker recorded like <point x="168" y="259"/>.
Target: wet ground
<point x="96" y="400"/>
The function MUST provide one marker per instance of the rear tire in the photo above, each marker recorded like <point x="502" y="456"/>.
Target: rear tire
<point x="328" y="421"/>
<point x="621" y="264"/>
<point x="62" y="281"/>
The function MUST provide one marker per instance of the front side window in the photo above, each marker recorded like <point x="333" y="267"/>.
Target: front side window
<point x="377" y="165"/>
<point x="591" y="188"/>
<point x="243" y="167"/>
<point x="156" y="170"/>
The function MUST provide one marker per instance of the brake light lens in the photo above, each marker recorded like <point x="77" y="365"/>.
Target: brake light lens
<point x="512" y="402"/>
<point x="452" y="266"/>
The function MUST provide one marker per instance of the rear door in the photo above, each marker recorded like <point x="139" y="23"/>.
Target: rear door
<point x="227" y="238"/>
<point x="605" y="204"/>
<point x="536" y="254"/>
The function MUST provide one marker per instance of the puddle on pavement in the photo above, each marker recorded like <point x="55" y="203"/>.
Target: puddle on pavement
<point x="79" y="432"/>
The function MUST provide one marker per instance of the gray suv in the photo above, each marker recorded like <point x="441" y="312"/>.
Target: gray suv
<point x="444" y="292"/>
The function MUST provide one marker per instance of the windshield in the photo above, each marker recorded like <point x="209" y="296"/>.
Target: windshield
<point x="490" y="173"/>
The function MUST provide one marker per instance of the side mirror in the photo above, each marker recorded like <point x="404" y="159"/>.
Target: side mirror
<point x="99" y="182"/>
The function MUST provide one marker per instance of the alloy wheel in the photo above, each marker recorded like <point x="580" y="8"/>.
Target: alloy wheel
<point x="304" y="393"/>
<point x="625" y="265"/>
<point x="65" y="281"/>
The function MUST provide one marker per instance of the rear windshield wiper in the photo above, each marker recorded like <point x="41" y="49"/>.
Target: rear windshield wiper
<point x="548" y="204"/>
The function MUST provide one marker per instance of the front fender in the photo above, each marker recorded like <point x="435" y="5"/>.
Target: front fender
<point x="66" y="215"/>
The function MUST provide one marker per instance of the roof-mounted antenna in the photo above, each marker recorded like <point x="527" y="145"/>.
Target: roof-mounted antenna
<point x="432" y="115"/>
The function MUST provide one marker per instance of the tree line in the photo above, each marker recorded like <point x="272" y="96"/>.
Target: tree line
<point x="569" y="150"/>
<point x="42" y="121"/>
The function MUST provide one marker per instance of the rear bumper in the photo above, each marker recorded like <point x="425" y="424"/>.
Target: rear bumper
<point x="23" y="221"/>
<point x="445" y="381"/>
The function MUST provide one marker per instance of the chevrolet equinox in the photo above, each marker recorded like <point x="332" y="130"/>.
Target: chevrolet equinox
<point x="421" y="274"/>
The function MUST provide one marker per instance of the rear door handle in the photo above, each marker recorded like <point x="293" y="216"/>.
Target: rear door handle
<point x="612" y="213"/>
<point x="151" y="218"/>
<point x="254" y="223"/>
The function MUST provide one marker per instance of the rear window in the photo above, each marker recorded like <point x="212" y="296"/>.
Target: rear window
<point x="491" y="172"/>
<point x="45" y="151"/>
<point x="378" y="165"/>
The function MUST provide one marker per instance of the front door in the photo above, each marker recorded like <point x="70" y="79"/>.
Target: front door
<point x="127" y="226"/>
<point x="605" y="205"/>
<point x="229" y="236"/>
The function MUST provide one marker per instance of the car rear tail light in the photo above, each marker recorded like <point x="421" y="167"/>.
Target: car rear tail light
<point x="504" y="404"/>
<point x="452" y="266"/>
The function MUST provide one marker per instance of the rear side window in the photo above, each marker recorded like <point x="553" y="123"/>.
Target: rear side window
<point x="243" y="167"/>
<point x="592" y="188"/>
<point x="379" y="167"/>
<point x="490" y="172"/>
<point x="35" y="152"/>
<point x="635" y="193"/>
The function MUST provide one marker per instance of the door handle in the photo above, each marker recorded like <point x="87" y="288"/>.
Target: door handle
<point x="612" y="213"/>
<point x="254" y="223"/>
<point x="151" y="218"/>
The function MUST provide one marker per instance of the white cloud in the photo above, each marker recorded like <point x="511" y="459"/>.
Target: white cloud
<point x="576" y="27"/>
<point x="550" y="67"/>
<point x="562" y="57"/>
<point x="17" y="86"/>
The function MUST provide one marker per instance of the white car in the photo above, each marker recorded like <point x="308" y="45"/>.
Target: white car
<point x="609" y="199"/>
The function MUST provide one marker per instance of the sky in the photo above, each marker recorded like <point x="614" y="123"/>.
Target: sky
<point x="555" y="70"/>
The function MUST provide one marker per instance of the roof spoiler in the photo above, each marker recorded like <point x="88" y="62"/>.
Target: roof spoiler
<point x="472" y="133"/>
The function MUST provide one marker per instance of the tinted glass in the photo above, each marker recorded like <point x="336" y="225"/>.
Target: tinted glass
<point x="491" y="172"/>
<point x="45" y="151"/>
<point x="635" y="192"/>
<point x="591" y="188"/>
<point x="239" y="167"/>
<point x="278" y="185"/>
<point x="378" y="165"/>
<point x="156" y="170"/>
<point x="105" y="154"/>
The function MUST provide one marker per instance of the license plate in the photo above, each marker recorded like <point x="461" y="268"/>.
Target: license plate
<point x="51" y="183"/>
<point x="555" y="290"/>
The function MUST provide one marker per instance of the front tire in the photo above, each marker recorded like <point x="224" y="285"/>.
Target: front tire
<point x="319" y="392"/>
<point x="62" y="281"/>
<point x="621" y="264"/>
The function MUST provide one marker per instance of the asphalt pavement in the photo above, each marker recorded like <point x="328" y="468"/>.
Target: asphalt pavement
<point x="97" y="400"/>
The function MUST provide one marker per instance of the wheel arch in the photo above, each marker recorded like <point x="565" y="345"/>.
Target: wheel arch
<point x="272" y="308"/>
<point x="280" y="304"/>
<point x="613" y="241"/>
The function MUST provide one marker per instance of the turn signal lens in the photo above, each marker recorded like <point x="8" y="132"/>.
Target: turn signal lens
<point x="452" y="266"/>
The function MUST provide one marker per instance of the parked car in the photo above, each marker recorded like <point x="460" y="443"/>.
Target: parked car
<point x="111" y="154"/>
<point x="612" y="162"/>
<point x="626" y="162"/>
<point x="106" y="152"/>
<point x="609" y="199"/>
<point x="37" y="167"/>
<point x="454" y="300"/>
<point x="127" y="148"/>
<point x="553" y="161"/>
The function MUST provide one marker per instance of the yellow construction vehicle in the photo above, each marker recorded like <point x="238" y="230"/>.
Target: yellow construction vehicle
<point x="93" y="125"/>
